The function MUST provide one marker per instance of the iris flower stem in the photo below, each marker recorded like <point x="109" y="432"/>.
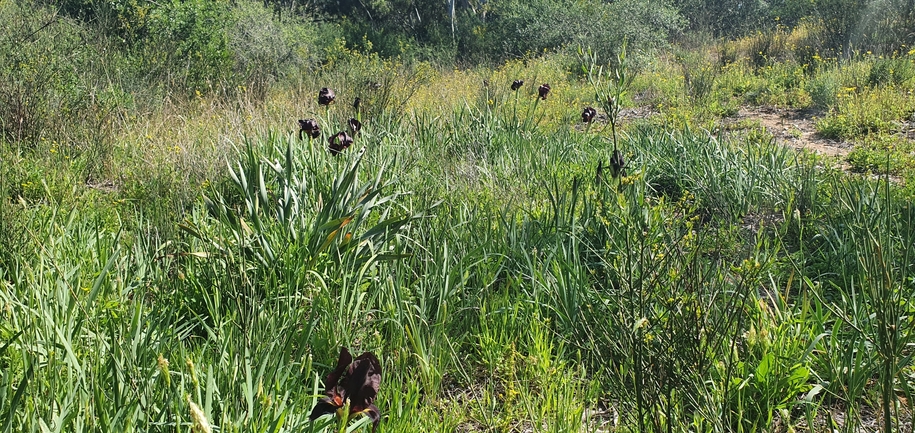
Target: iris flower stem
<point x="515" y="111"/>
<point x="527" y="117"/>
<point x="613" y="131"/>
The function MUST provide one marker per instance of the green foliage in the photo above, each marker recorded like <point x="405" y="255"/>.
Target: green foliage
<point x="823" y="90"/>
<point x="871" y="297"/>
<point x="43" y="86"/>
<point x="882" y="26"/>
<point x="862" y="112"/>
<point x="883" y="153"/>
<point x="187" y="47"/>
<point x="266" y="49"/>
<point x="524" y="28"/>
<point x="699" y="76"/>
<point x="394" y="27"/>
<point x="178" y="44"/>
<point x="383" y="87"/>
<point x="723" y="283"/>
<point x="519" y="28"/>
<point x="839" y="26"/>
<point x="892" y="71"/>
<point x="777" y="371"/>
<point x="491" y="32"/>
<point x="288" y="223"/>
<point x="839" y="19"/>
<point x="722" y="18"/>
<point x="200" y="46"/>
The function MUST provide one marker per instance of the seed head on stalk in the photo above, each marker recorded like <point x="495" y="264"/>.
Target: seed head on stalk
<point x="617" y="164"/>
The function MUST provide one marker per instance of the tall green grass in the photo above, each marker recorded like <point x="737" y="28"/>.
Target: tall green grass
<point x="721" y="284"/>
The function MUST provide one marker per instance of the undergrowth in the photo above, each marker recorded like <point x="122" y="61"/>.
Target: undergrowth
<point x="513" y="268"/>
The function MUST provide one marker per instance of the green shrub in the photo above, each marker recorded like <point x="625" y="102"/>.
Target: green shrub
<point x="187" y="46"/>
<point x="699" y="75"/>
<point x="774" y="372"/>
<point x="883" y="153"/>
<point x="41" y="89"/>
<point x="859" y="113"/>
<point x="893" y="71"/>
<point x="838" y="20"/>
<point x="778" y="84"/>
<point x="823" y="89"/>
<point x="266" y="48"/>
<point x="785" y="82"/>
<point x="123" y="20"/>
<point x="768" y="47"/>
<point x="722" y="18"/>
<point x="516" y="28"/>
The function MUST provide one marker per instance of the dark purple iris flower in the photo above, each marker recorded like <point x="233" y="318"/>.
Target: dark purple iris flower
<point x="354" y="125"/>
<point x="354" y="380"/>
<point x="309" y="127"/>
<point x="326" y="96"/>
<point x="339" y="142"/>
<point x="543" y="90"/>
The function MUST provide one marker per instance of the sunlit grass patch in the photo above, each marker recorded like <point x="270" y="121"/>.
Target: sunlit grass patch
<point x="489" y="247"/>
<point x="883" y="153"/>
<point x="861" y="111"/>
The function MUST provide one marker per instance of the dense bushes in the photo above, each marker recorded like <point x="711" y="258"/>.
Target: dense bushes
<point x="473" y="32"/>
<point x="842" y="26"/>
<point x="491" y="32"/>
<point x="44" y="82"/>
<point x="90" y="60"/>
<point x="517" y="28"/>
<point x="266" y="49"/>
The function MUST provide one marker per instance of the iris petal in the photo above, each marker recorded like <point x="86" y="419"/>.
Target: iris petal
<point x="324" y="407"/>
<point x="354" y="380"/>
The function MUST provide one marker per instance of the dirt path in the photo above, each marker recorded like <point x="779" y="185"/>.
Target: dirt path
<point x="795" y="129"/>
<point x="792" y="128"/>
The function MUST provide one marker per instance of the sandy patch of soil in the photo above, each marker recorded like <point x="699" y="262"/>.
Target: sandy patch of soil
<point x="793" y="128"/>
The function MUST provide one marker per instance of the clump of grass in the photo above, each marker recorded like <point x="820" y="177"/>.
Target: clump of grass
<point x="723" y="282"/>
<point x="824" y="89"/>
<point x="767" y="48"/>
<point x="860" y="112"/>
<point x="891" y="71"/>
<point x="883" y="153"/>
<point x="868" y="300"/>
<point x="699" y="75"/>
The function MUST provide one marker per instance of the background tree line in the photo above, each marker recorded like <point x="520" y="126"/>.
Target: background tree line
<point x="472" y="31"/>
<point x="70" y="56"/>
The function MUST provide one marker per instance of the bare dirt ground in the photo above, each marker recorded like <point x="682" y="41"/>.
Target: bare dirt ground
<point x="794" y="128"/>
